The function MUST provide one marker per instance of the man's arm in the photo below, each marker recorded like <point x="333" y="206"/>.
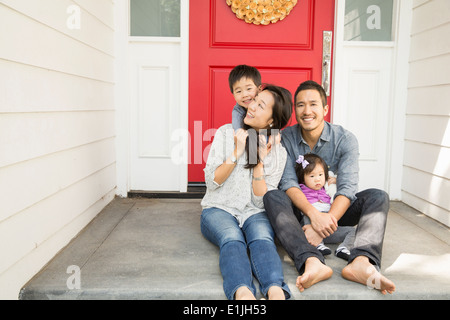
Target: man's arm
<point x="347" y="178"/>
<point x="339" y="206"/>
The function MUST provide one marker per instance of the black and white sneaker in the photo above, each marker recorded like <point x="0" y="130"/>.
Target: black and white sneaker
<point x="324" y="249"/>
<point x="343" y="253"/>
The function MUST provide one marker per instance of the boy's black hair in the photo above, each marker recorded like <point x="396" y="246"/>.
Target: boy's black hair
<point x="244" y="71"/>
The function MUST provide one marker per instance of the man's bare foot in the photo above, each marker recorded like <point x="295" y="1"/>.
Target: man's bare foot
<point x="315" y="271"/>
<point x="276" y="293"/>
<point x="362" y="271"/>
<point x="244" y="293"/>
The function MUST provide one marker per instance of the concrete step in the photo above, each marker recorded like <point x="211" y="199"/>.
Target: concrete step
<point x="143" y="248"/>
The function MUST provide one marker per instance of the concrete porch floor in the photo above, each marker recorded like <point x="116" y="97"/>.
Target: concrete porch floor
<point x="153" y="249"/>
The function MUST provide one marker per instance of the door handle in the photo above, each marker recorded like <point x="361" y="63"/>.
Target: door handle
<point x="326" y="60"/>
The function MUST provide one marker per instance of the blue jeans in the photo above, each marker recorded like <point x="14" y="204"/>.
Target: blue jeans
<point x="222" y="229"/>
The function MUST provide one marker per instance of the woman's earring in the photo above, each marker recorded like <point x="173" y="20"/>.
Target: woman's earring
<point x="271" y="125"/>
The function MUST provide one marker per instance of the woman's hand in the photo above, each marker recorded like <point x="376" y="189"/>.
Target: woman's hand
<point x="240" y="139"/>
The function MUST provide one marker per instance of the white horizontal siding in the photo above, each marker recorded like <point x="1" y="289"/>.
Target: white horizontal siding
<point x="59" y="92"/>
<point x="97" y="9"/>
<point x="426" y="171"/>
<point x="429" y="14"/>
<point x="57" y="132"/>
<point x="34" y="225"/>
<point x="429" y="100"/>
<point x="48" y="175"/>
<point x="49" y="132"/>
<point x="430" y="158"/>
<point x="428" y="187"/>
<point x="434" y="71"/>
<point x="430" y="209"/>
<point x="27" y="267"/>
<point x="431" y="129"/>
<point x="35" y="43"/>
<point x="99" y="36"/>
<point x="429" y="44"/>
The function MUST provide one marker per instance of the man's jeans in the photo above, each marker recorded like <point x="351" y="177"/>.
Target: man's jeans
<point x="222" y="229"/>
<point x="369" y="211"/>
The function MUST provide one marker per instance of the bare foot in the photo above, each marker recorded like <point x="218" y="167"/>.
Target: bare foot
<point x="276" y="293"/>
<point x="315" y="271"/>
<point x="244" y="293"/>
<point x="362" y="271"/>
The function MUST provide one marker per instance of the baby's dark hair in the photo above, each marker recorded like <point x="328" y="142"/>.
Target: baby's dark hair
<point x="244" y="71"/>
<point x="313" y="160"/>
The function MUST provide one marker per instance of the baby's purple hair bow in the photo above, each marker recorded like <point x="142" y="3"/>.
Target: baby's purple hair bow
<point x="301" y="160"/>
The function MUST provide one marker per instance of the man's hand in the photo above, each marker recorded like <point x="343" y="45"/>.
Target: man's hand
<point x="332" y="180"/>
<point x="324" y="224"/>
<point x="312" y="236"/>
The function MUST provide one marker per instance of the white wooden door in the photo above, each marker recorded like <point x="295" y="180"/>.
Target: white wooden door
<point x="155" y="84"/>
<point x="363" y="84"/>
<point x="154" y="108"/>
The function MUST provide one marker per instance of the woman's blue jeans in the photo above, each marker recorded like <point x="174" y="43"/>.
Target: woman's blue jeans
<point x="222" y="229"/>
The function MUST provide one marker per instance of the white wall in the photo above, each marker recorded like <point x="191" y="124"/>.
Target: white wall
<point x="57" y="136"/>
<point x="426" y="166"/>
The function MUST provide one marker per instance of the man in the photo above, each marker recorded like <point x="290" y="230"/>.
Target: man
<point x="368" y="209"/>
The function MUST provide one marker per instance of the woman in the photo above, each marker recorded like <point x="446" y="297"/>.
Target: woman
<point x="241" y="168"/>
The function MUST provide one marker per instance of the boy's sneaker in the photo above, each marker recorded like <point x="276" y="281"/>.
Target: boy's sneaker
<point x="343" y="253"/>
<point x="324" y="249"/>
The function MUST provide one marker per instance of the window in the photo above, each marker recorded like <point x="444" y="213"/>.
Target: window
<point x="368" y="20"/>
<point x="155" y="18"/>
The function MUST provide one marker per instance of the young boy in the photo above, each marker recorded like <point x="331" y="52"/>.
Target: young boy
<point x="245" y="83"/>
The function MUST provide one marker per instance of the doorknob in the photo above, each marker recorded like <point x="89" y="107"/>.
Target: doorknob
<point x="326" y="60"/>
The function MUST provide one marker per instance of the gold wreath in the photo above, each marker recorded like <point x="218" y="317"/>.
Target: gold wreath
<point x="261" y="11"/>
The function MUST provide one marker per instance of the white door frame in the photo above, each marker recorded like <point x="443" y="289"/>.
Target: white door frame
<point x="123" y="93"/>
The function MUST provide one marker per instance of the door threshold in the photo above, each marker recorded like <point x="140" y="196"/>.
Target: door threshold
<point x="165" y="195"/>
<point x="194" y="191"/>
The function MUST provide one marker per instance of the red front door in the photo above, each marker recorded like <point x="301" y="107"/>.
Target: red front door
<point x="286" y="53"/>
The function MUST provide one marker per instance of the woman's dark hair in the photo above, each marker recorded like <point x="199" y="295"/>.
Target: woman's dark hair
<point x="281" y="114"/>
<point x="313" y="160"/>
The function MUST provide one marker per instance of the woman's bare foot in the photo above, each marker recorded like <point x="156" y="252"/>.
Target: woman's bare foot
<point x="244" y="293"/>
<point x="315" y="271"/>
<point x="276" y="293"/>
<point x="362" y="271"/>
